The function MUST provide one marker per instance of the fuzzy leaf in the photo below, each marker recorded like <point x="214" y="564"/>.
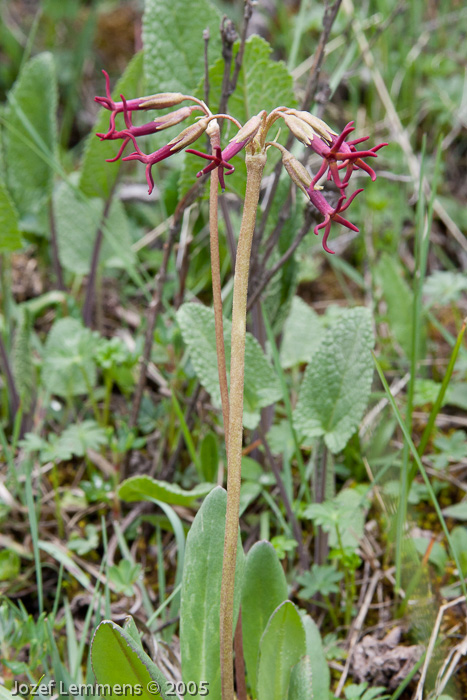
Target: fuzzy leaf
<point x="10" y="238"/>
<point x="301" y="682"/>
<point x="68" y="368"/>
<point x="321" y="677"/>
<point x="174" y="45"/>
<point x="262" y="387"/>
<point x="23" y="366"/>
<point x="264" y="589"/>
<point x="142" y="488"/>
<point x="303" y="333"/>
<point x="337" y="382"/>
<point x="199" y="612"/>
<point x="98" y="177"/>
<point x="117" y="659"/>
<point x="282" y="646"/>
<point x="30" y="135"/>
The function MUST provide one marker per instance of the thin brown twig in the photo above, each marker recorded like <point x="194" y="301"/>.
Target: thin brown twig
<point x="228" y="36"/>
<point x="91" y="286"/>
<point x="240" y="679"/>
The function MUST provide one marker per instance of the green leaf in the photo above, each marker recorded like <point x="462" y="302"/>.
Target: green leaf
<point x="98" y="178"/>
<point x="209" y="457"/>
<point x="86" y="544"/>
<point x="80" y="437"/>
<point x="303" y="333"/>
<point x="282" y="646"/>
<point x="124" y="576"/>
<point x="142" y="488"/>
<point x="458" y="511"/>
<point x="174" y="45"/>
<point x="9" y="565"/>
<point x="262" y="84"/>
<point x="301" y="686"/>
<point x="319" y="667"/>
<point x="30" y="135"/>
<point x="117" y="659"/>
<point x="262" y="386"/>
<point x="68" y="368"/>
<point x="337" y="382"/>
<point x="130" y="628"/>
<point x="10" y="238"/>
<point x="321" y="579"/>
<point x="23" y="366"/>
<point x="200" y="601"/>
<point x="264" y="589"/>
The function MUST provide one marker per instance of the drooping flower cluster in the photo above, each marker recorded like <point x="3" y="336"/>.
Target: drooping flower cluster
<point x="336" y="152"/>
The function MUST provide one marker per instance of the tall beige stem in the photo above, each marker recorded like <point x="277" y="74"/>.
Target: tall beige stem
<point x="255" y="165"/>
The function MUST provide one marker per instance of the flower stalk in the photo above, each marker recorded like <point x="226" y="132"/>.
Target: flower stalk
<point x="255" y="165"/>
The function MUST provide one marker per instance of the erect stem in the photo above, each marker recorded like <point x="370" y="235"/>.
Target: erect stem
<point x="255" y="165"/>
<point x="214" y="135"/>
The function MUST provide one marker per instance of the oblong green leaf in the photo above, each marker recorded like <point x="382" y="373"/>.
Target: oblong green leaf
<point x="321" y="677"/>
<point x="264" y="589"/>
<point x="262" y="386"/>
<point x="282" y="646"/>
<point x="10" y="238"/>
<point x="30" y="134"/>
<point x="301" y="680"/>
<point x="118" y="660"/>
<point x="145" y="488"/>
<point x="201" y="583"/>
<point x="337" y="382"/>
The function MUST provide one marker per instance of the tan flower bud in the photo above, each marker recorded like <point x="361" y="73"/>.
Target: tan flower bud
<point x="174" y="118"/>
<point x="297" y="172"/>
<point x="163" y="100"/>
<point x="299" y="128"/>
<point x="320" y="127"/>
<point x="189" y="135"/>
<point x="249" y="129"/>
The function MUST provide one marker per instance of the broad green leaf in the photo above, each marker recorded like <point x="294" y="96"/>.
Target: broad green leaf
<point x="262" y="386"/>
<point x="174" y="45"/>
<point x="78" y="219"/>
<point x="68" y="368"/>
<point x="399" y="301"/>
<point x="142" y="488"/>
<point x="98" y="178"/>
<point x="30" y="135"/>
<point x="301" y="682"/>
<point x="262" y="84"/>
<point x="264" y="589"/>
<point x="321" y="677"/>
<point x="336" y="386"/>
<point x="80" y="437"/>
<point x="303" y="333"/>
<point x="117" y="659"/>
<point x="458" y="511"/>
<point x="201" y="583"/>
<point x="10" y="238"/>
<point x="282" y="646"/>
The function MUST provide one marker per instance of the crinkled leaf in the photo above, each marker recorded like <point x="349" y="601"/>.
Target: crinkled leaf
<point x="174" y="45"/>
<point x="200" y="603"/>
<point x="262" y="84"/>
<point x="142" y="488"/>
<point x="336" y="386"/>
<point x="68" y="368"/>
<point x="117" y="659"/>
<point x="262" y="386"/>
<point x="303" y="333"/>
<point x="98" y="177"/>
<point x="301" y="681"/>
<point x="10" y="238"/>
<point x="264" y="589"/>
<point x="30" y="135"/>
<point x="282" y="646"/>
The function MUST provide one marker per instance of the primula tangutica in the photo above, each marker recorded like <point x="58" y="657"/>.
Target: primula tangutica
<point x="338" y="155"/>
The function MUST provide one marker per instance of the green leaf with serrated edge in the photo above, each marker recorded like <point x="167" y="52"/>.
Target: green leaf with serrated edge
<point x="281" y="648"/>
<point x="303" y="333"/>
<point x="68" y="368"/>
<point x="336" y="386"/>
<point x="301" y="682"/>
<point x="262" y="84"/>
<point x="118" y="660"/>
<point x="77" y="221"/>
<point x="264" y="589"/>
<point x="200" y="600"/>
<point x="262" y="386"/>
<point x="321" y="677"/>
<point x="30" y="134"/>
<point x="174" y="44"/>
<point x="98" y="177"/>
<point x="10" y="238"/>
<point x="142" y="488"/>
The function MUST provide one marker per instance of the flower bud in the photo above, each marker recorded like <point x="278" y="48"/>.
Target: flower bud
<point x="163" y="100"/>
<point x="249" y="129"/>
<point x="189" y="135"/>
<point x="297" y="172"/>
<point x="299" y="128"/>
<point x="318" y="126"/>
<point x="174" y="118"/>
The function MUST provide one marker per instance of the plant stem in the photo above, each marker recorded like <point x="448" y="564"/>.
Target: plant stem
<point x="214" y="135"/>
<point x="255" y="165"/>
